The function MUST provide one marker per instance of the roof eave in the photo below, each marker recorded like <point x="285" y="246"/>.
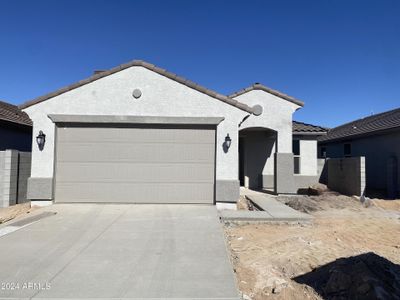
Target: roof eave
<point x="308" y="133"/>
<point x="258" y="86"/>
<point x="361" y="135"/>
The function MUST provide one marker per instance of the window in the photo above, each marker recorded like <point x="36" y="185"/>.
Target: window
<point x="347" y="150"/>
<point x="296" y="147"/>
<point x="322" y="152"/>
<point x="296" y="156"/>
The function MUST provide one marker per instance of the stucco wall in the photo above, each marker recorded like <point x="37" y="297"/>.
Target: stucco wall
<point x="377" y="150"/>
<point x="161" y="96"/>
<point x="308" y="157"/>
<point x="277" y="115"/>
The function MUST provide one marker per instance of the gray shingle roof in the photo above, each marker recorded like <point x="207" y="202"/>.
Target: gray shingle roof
<point x="148" y="66"/>
<point x="11" y="113"/>
<point x="259" y="86"/>
<point x="365" y="126"/>
<point x="304" y="128"/>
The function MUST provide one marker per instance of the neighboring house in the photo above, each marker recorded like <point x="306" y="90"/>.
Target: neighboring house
<point x="138" y="133"/>
<point x="15" y="128"/>
<point x="377" y="138"/>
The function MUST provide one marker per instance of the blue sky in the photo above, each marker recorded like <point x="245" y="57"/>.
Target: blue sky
<point x="341" y="57"/>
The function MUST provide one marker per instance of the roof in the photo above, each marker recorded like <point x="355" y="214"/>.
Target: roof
<point x="259" y="86"/>
<point x="148" y="66"/>
<point x="304" y="128"/>
<point x="365" y="126"/>
<point x="11" y="113"/>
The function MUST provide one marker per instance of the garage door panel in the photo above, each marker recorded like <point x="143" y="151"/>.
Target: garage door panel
<point x="118" y="152"/>
<point x="135" y="172"/>
<point x="135" y="165"/>
<point x="135" y="135"/>
<point x="121" y="192"/>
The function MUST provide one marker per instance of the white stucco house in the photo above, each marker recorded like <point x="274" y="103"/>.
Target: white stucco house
<point x="140" y="134"/>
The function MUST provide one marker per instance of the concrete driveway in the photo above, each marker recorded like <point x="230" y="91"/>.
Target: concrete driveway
<point x="118" y="251"/>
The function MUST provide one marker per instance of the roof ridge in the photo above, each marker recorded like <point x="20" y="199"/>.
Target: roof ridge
<point x="149" y="66"/>
<point x="259" y="86"/>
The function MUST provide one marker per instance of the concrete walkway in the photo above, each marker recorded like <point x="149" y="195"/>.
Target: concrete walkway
<point x="117" y="252"/>
<point x="269" y="210"/>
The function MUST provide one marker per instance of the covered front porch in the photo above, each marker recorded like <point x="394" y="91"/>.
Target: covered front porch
<point x="261" y="165"/>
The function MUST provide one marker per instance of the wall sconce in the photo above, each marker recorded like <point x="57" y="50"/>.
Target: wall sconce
<point x="40" y="140"/>
<point x="228" y="141"/>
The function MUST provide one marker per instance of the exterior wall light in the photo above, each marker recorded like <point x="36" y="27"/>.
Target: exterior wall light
<point x="228" y="141"/>
<point x="40" y="140"/>
<point x="136" y="93"/>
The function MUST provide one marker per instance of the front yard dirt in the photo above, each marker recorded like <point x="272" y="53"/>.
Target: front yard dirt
<point x="351" y="251"/>
<point x="11" y="212"/>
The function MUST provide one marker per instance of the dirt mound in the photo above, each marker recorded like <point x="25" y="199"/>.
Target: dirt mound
<point x="326" y="201"/>
<point x="335" y="249"/>
<point x="366" y="276"/>
<point x="386" y="204"/>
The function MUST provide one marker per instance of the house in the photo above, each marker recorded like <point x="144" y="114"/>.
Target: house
<point x="15" y="128"/>
<point x="377" y="138"/>
<point x="140" y="134"/>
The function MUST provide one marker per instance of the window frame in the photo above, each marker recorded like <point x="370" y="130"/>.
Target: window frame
<point x="296" y="157"/>
<point x="347" y="146"/>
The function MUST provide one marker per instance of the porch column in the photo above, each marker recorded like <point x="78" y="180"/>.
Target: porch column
<point x="284" y="170"/>
<point x="284" y="161"/>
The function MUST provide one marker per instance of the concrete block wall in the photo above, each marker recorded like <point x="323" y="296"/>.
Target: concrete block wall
<point x="14" y="171"/>
<point x="9" y="177"/>
<point x="2" y="163"/>
<point x="347" y="175"/>
<point x="24" y="172"/>
<point x="322" y="170"/>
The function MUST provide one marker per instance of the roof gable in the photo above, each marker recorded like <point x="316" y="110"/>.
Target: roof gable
<point x="259" y="86"/>
<point x="150" y="67"/>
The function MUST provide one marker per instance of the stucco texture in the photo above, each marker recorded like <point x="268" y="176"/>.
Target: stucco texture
<point x="277" y="115"/>
<point x="112" y="95"/>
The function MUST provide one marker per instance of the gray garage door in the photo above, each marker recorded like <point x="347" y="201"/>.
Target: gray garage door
<point x="136" y="165"/>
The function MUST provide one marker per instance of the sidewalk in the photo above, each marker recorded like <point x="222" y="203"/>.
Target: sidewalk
<point x="269" y="210"/>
